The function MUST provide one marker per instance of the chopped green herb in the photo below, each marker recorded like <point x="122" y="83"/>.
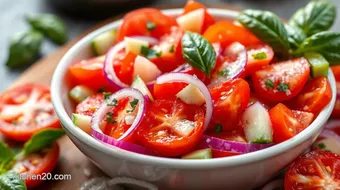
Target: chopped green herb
<point x="149" y="53"/>
<point x="321" y="145"/>
<point x="184" y="119"/>
<point x="218" y="128"/>
<point x="172" y="49"/>
<point x="15" y="122"/>
<point x="224" y="72"/>
<point x="106" y="95"/>
<point x="259" y="56"/>
<point x="150" y="25"/>
<point x="102" y="89"/>
<point x="282" y="87"/>
<point x="110" y="120"/>
<point x="110" y="113"/>
<point x="269" y="83"/>
<point x="133" y="104"/>
<point x="159" y="53"/>
<point x="114" y="102"/>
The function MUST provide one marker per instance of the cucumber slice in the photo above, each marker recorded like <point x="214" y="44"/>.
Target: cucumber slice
<point x="140" y="85"/>
<point x="82" y="121"/>
<point x="102" y="43"/>
<point x="318" y="64"/>
<point x="257" y="125"/>
<point x="199" y="154"/>
<point x="135" y="45"/>
<point x="191" y="95"/>
<point x="80" y="93"/>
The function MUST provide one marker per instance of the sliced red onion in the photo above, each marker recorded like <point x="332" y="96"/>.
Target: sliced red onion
<point x="236" y="55"/>
<point x="182" y="68"/>
<point x="109" y="72"/>
<point x="231" y="146"/>
<point x="337" y="90"/>
<point x="333" y="125"/>
<point x="330" y="139"/>
<point x="101" y="112"/>
<point x="186" y="78"/>
<point x="274" y="185"/>
<point x="218" y="49"/>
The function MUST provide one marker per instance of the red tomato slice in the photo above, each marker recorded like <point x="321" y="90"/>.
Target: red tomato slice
<point x="193" y="5"/>
<point x="336" y="72"/>
<point x="259" y="56"/>
<point x="305" y="118"/>
<point x="171" y="127"/>
<point x="168" y="90"/>
<point x="90" y="104"/>
<point x="136" y="23"/>
<point x="314" y="170"/>
<point x="336" y="109"/>
<point x="281" y="81"/>
<point x="314" y="96"/>
<point x="123" y="66"/>
<point x="230" y="100"/>
<point x="39" y="163"/>
<point x="25" y="110"/>
<point x="285" y="125"/>
<point x="226" y="32"/>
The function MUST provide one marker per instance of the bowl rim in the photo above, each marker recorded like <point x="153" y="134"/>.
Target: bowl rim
<point x="248" y="158"/>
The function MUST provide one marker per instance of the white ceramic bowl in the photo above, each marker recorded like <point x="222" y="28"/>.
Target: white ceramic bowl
<point x="239" y="172"/>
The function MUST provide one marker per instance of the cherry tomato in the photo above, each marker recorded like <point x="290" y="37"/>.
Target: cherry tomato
<point x="314" y="96"/>
<point x="259" y="56"/>
<point x="336" y="109"/>
<point x="25" y="110"/>
<point x="336" y="72"/>
<point x="281" y="81"/>
<point x="230" y="100"/>
<point x="123" y="66"/>
<point x="90" y="104"/>
<point x="226" y="32"/>
<point x="305" y="118"/>
<point x="145" y="22"/>
<point x="314" y="170"/>
<point x="193" y="5"/>
<point x="171" y="127"/>
<point x="285" y="125"/>
<point x="39" y="163"/>
<point x="168" y="90"/>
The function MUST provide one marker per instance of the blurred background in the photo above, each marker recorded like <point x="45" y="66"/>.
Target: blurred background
<point x="80" y="15"/>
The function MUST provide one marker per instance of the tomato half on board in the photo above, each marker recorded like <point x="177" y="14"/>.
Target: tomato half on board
<point x="284" y="123"/>
<point x="259" y="55"/>
<point x="25" y="110"/>
<point x="230" y="100"/>
<point x="314" y="96"/>
<point x="314" y="170"/>
<point x="193" y="5"/>
<point x="39" y="163"/>
<point x="281" y="81"/>
<point x="171" y="127"/>
<point x="145" y="22"/>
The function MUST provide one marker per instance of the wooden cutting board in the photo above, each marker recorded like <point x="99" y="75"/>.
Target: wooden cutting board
<point x="72" y="161"/>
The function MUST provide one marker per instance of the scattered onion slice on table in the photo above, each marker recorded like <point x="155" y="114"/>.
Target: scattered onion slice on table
<point x="109" y="72"/>
<point x="275" y="184"/>
<point x="330" y="141"/>
<point x="333" y="125"/>
<point x="186" y="78"/>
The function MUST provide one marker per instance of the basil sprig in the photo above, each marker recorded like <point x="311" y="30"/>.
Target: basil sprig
<point x="198" y="52"/>
<point x="12" y="181"/>
<point x="295" y="36"/>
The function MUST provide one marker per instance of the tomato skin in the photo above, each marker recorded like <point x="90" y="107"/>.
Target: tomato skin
<point x="168" y="90"/>
<point x="336" y="72"/>
<point x="230" y="99"/>
<point x="90" y="104"/>
<point x="222" y="154"/>
<point x="314" y="170"/>
<point x="192" y="5"/>
<point x="253" y="64"/>
<point x="134" y="23"/>
<point x="226" y="32"/>
<point x="314" y="96"/>
<point x="336" y="109"/>
<point x="293" y="73"/>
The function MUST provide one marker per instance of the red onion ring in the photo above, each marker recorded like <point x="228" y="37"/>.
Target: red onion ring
<point x="337" y="90"/>
<point x="278" y="183"/>
<point x="186" y="78"/>
<point x="329" y="134"/>
<point x="332" y="124"/>
<point x="101" y="112"/>
<point x="108" y="70"/>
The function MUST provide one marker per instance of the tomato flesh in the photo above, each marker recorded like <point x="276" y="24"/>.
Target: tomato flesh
<point x="305" y="118"/>
<point x="259" y="55"/>
<point x="90" y="104"/>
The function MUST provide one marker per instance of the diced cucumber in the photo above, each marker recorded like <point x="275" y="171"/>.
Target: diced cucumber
<point x="82" y="121"/>
<point x="80" y="93"/>
<point x="135" y="45"/>
<point x="192" y="21"/>
<point x="144" y="68"/>
<point x="257" y="125"/>
<point x="140" y="85"/>
<point x="191" y="95"/>
<point x="318" y="64"/>
<point x="199" y="154"/>
<point x="102" y="43"/>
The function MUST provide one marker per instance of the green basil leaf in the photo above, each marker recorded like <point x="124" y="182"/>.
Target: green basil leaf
<point x="267" y="27"/>
<point x="316" y="17"/>
<point x="6" y="157"/>
<point x="42" y="139"/>
<point x="326" y="43"/>
<point x="295" y="35"/>
<point x="50" y="25"/>
<point x="24" y="47"/>
<point x="12" y="181"/>
<point x="198" y="52"/>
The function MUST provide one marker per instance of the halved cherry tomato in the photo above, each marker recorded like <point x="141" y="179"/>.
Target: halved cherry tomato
<point x="285" y="125"/>
<point x="258" y="56"/>
<point x="39" y="163"/>
<point x="336" y="72"/>
<point x="25" y="110"/>
<point x="314" y="170"/>
<point x="168" y="90"/>
<point x="136" y="23"/>
<point x="171" y="127"/>
<point x="226" y="32"/>
<point x="305" y="118"/>
<point x="314" y="96"/>
<point x="123" y="66"/>
<point x="281" y="81"/>
<point x="336" y="109"/>
<point x="230" y="100"/>
<point x="193" y="5"/>
<point x="90" y="104"/>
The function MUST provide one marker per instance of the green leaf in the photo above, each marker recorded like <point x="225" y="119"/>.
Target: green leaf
<point x="316" y="17"/>
<point x="24" y="47"/>
<point x="150" y="53"/>
<point x="198" y="52"/>
<point x="50" y="25"/>
<point x="11" y="181"/>
<point x="326" y="43"/>
<point x="267" y="27"/>
<point x="42" y="139"/>
<point x="6" y="157"/>
<point x="295" y="35"/>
